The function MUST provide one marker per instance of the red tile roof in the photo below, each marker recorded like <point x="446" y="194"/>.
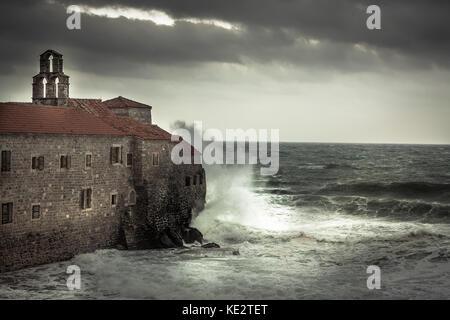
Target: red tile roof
<point x="29" y="118"/>
<point x="121" y="102"/>
<point x="124" y="124"/>
<point x="80" y="116"/>
<point x="92" y="106"/>
<point x="135" y="128"/>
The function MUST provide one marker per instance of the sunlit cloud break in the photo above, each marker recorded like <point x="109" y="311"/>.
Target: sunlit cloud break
<point x="216" y="23"/>
<point x="156" y="16"/>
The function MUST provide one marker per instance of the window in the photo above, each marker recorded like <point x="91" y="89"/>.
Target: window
<point x="201" y="178"/>
<point x="113" y="200"/>
<point x="195" y="180"/>
<point x="115" y="155"/>
<point x="86" y="198"/>
<point x="44" y="87"/>
<point x="6" y="160"/>
<point x="37" y="163"/>
<point x="88" y="161"/>
<point x="155" y="158"/>
<point x="57" y="87"/>
<point x="132" y="198"/>
<point x="65" y="162"/>
<point x="188" y="181"/>
<point x="7" y="212"/>
<point x="50" y="63"/>
<point x="35" y="212"/>
<point x="129" y="159"/>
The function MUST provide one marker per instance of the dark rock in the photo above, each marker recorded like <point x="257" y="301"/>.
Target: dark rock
<point x="211" y="245"/>
<point x="175" y="237"/>
<point x="165" y="241"/>
<point x="190" y="235"/>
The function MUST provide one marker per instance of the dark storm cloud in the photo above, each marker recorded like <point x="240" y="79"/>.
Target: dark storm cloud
<point x="415" y="35"/>
<point x="413" y="27"/>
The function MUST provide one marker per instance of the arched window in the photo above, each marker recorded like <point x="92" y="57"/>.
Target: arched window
<point x="56" y="88"/>
<point x="132" y="198"/>
<point x="44" y="88"/>
<point x="51" y="63"/>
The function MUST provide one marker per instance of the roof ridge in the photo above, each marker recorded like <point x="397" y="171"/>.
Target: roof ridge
<point x="122" y="102"/>
<point x="88" y="99"/>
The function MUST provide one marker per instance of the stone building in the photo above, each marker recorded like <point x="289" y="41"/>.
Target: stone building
<point x="83" y="174"/>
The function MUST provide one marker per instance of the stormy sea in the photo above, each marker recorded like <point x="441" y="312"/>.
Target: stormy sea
<point x="308" y="232"/>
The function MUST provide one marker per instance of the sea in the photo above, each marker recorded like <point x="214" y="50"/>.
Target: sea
<point x="315" y="230"/>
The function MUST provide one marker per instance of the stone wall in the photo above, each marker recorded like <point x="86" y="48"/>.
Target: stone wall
<point x="64" y="229"/>
<point x="165" y="201"/>
<point x="143" y="115"/>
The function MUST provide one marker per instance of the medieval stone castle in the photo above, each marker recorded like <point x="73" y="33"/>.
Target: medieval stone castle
<point x="83" y="174"/>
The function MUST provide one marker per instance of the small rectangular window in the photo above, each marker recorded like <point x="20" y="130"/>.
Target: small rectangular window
<point x="155" y="160"/>
<point x="37" y="163"/>
<point x="86" y="198"/>
<point x="6" y="161"/>
<point x="132" y="198"/>
<point x="188" y="181"/>
<point x="35" y="211"/>
<point x="201" y="178"/>
<point x="88" y="161"/>
<point x="7" y="212"/>
<point x="195" y="180"/>
<point x="113" y="200"/>
<point x="115" y="155"/>
<point x="41" y="163"/>
<point x="65" y="162"/>
<point x="129" y="159"/>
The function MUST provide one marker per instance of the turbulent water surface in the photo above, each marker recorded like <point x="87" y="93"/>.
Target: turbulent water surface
<point x="308" y="232"/>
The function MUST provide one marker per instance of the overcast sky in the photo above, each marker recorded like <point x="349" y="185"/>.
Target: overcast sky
<point x="309" y="68"/>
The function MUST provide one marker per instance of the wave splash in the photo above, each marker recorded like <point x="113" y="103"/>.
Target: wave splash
<point x="233" y="212"/>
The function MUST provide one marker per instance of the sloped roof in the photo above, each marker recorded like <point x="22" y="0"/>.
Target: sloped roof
<point x="30" y="118"/>
<point x="92" y="106"/>
<point x="138" y="129"/>
<point x="121" y="102"/>
<point x="124" y="124"/>
<point x="80" y="116"/>
<point x="51" y="51"/>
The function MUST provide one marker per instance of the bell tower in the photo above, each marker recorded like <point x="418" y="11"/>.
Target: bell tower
<point x="51" y="85"/>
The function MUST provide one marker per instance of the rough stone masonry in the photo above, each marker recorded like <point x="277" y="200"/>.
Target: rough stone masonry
<point x="83" y="174"/>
